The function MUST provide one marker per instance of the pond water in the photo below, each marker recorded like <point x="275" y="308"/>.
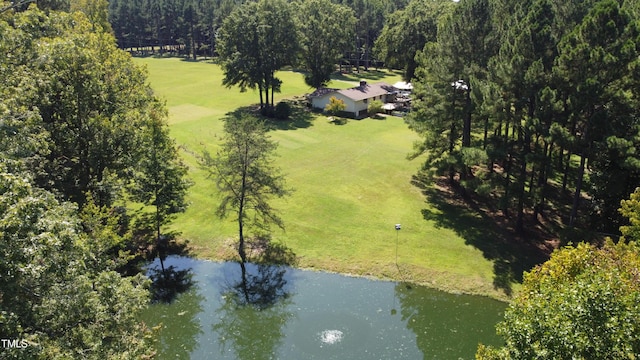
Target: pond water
<point x="284" y="313"/>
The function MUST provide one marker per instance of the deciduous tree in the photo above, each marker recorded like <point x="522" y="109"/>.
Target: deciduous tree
<point x="326" y="30"/>
<point x="581" y="304"/>
<point x="160" y="178"/>
<point x="254" y="42"/>
<point x="407" y="31"/>
<point x="51" y="295"/>
<point x="246" y="176"/>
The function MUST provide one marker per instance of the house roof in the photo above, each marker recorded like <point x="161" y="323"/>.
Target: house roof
<point x="321" y="92"/>
<point x="364" y="91"/>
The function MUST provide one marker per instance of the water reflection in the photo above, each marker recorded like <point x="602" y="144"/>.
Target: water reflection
<point x="169" y="282"/>
<point x="176" y="309"/>
<point x="178" y="323"/>
<point x="443" y="323"/>
<point x="284" y="313"/>
<point x="258" y="285"/>
<point x="254" y="312"/>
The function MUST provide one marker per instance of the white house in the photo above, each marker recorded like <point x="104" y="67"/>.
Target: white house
<point x="356" y="99"/>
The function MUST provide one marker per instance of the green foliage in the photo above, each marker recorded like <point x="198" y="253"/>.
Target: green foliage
<point x="105" y="245"/>
<point x="82" y="117"/>
<point x="78" y="119"/>
<point x="50" y="295"/>
<point x="630" y="209"/>
<point x="326" y="30"/>
<point x="407" y="31"/>
<point x="246" y="177"/>
<point x="581" y="304"/>
<point x="374" y="107"/>
<point x="335" y="106"/>
<point x="282" y="110"/>
<point x="96" y="11"/>
<point x="606" y="44"/>
<point x="550" y="94"/>
<point x="160" y="177"/>
<point x="255" y="41"/>
<point x="83" y="104"/>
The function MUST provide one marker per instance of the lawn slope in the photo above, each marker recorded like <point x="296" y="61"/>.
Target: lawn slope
<point x="351" y="182"/>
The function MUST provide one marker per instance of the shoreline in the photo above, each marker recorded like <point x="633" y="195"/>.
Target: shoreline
<point x="497" y="295"/>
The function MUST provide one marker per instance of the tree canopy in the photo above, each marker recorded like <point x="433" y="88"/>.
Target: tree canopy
<point x="246" y="177"/>
<point x="407" y="31"/>
<point x="532" y="105"/>
<point x="81" y="133"/>
<point x="326" y="30"/>
<point x="50" y="294"/>
<point x="581" y="304"/>
<point x="255" y="41"/>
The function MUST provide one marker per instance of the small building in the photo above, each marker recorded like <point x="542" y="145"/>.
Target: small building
<point x="356" y="99"/>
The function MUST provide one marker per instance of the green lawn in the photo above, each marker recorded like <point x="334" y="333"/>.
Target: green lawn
<point x="351" y="181"/>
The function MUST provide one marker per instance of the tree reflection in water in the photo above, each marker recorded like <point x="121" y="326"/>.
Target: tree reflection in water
<point x="253" y="311"/>
<point x="175" y="316"/>
<point x="445" y="323"/>
<point x="168" y="283"/>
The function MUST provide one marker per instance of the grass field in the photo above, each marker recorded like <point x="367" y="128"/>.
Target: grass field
<point x="351" y="182"/>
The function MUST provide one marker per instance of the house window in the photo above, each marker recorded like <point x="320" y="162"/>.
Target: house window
<point x="366" y="101"/>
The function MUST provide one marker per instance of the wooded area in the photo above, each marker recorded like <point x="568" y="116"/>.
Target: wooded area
<point x="191" y="26"/>
<point x="81" y="138"/>
<point x="534" y="105"/>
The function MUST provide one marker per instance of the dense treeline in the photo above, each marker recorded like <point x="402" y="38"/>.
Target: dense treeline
<point x="533" y="104"/>
<point x="190" y="27"/>
<point x="81" y="136"/>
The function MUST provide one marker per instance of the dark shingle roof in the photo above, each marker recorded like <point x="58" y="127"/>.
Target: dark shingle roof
<point x="364" y="91"/>
<point x="322" y="92"/>
<point x="367" y="91"/>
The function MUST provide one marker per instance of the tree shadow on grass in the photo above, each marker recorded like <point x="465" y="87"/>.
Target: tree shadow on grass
<point x="301" y="117"/>
<point x="262" y="250"/>
<point x="335" y="120"/>
<point x="511" y="254"/>
<point x="362" y="75"/>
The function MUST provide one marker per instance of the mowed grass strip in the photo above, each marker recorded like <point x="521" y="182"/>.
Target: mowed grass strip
<point x="351" y="182"/>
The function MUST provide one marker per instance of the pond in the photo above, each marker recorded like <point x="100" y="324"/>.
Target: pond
<point x="285" y="313"/>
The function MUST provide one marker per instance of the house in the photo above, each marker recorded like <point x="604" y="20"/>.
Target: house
<point x="356" y="99"/>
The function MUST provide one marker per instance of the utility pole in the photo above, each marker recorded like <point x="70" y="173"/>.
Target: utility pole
<point x="398" y="227"/>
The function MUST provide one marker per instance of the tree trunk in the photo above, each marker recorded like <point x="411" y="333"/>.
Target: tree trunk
<point x="466" y="127"/>
<point x="243" y="189"/>
<point x="542" y="181"/>
<point x="159" y="243"/>
<point x="567" y="168"/>
<point x="521" y="182"/>
<point x="507" y="185"/>
<point x="576" y="195"/>
<point x="452" y="133"/>
<point x="486" y="133"/>
<point x="245" y="287"/>
<point x="273" y="90"/>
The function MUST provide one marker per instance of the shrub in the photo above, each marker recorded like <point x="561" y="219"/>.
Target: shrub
<point x="282" y="111"/>
<point x="374" y="107"/>
<point x="335" y="106"/>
